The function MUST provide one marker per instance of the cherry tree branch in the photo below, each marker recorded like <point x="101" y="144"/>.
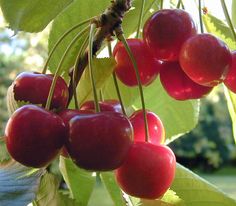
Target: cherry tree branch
<point x="107" y="23"/>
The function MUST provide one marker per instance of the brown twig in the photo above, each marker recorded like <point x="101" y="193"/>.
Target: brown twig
<point x="107" y="23"/>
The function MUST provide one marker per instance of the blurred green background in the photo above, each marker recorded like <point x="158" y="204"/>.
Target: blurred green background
<point x="208" y="150"/>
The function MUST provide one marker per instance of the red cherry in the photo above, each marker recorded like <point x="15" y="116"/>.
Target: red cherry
<point x="230" y="80"/>
<point x="66" y="116"/>
<point x="148" y="170"/>
<point x="34" y="136"/>
<point x="111" y="105"/>
<point x="166" y="31"/>
<point x="147" y="66"/>
<point x="34" y="88"/>
<point x="156" y="129"/>
<point x="205" y="59"/>
<point x="101" y="141"/>
<point x="178" y="85"/>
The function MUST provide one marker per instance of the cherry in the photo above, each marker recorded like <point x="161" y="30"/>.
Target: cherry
<point x="230" y="80"/>
<point x="165" y="32"/>
<point x="112" y="105"/>
<point x="156" y="129"/>
<point x="148" y="170"/>
<point x="34" y="88"/>
<point x="205" y="59"/>
<point x="148" y="67"/>
<point x="66" y="116"/>
<point x="101" y="141"/>
<point x="34" y="136"/>
<point x="178" y="85"/>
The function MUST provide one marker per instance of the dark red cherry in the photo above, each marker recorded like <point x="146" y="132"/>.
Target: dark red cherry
<point x="34" y="88"/>
<point x="148" y="67"/>
<point x="156" y="129"/>
<point x="165" y="32"/>
<point x="178" y="85"/>
<point x="230" y="80"/>
<point x="205" y="59"/>
<point x="66" y="116"/>
<point x="34" y="136"/>
<point x="101" y="141"/>
<point x="111" y="105"/>
<point x="148" y="170"/>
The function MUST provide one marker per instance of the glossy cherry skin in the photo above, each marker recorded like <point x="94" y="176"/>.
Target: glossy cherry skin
<point x="148" y="170"/>
<point x="178" y="85"/>
<point x="165" y="32"/>
<point x="34" y="88"/>
<point x="111" y="105"/>
<point x="156" y="129"/>
<point x="34" y="136"/>
<point x="148" y="67"/>
<point x="66" y="116"/>
<point x="101" y="141"/>
<point x="205" y="59"/>
<point x="230" y="81"/>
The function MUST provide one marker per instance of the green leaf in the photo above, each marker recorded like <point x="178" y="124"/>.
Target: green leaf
<point x="169" y="199"/>
<point x="4" y="155"/>
<point x="195" y="191"/>
<point x="78" y="11"/>
<point x="220" y="29"/>
<point x="231" y="102"/>
<point x="80" y="182"/>
<point x="48" y="194"/>
<point x="18" y="184"/>
<point x="178" y="117"/>
<point x="233" y="7"/>
<point x="113" y="189"/>
<point x="103" y="69"/>
<point x="31" y="16"/>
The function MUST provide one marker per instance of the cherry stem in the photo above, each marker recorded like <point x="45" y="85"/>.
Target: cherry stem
<point x="121" y="37"/>
<point x="60" y="40"/>
<point x="82" y="48"/>
<point x="90" y="66"/>
<point x="161" y="4"/>
<point x="60" y="66"/>
<point x="200" y="15"/>
<point x="179" y="4"/>
<point x="228" y="19"/>
<point x="140" y="18"/>
<point x="116" y="82"/>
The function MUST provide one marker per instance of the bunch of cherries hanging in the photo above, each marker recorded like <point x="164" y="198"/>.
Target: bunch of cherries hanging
<point x="189" y="64"/>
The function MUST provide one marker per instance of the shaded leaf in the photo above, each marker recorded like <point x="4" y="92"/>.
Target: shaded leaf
<point x="79" y="181"/>
<point x="4" y="155"/>
<point x="18" y="184"/>
<point x="195" y="191"/>
<point x="75" y="13"/>
<point x="31" y="16"/>
<point x="113" y="189"/>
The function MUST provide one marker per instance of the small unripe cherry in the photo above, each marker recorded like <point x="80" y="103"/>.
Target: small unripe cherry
<point x="156" y="129"/>
<point x="178" y="85"/>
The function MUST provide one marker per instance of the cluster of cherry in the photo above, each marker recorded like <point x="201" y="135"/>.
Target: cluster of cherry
<point x="190" y="64"/>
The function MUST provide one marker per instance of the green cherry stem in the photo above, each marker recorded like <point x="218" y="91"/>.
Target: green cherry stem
<point x="60" y="65"/>
<point x="82" y="48"/>
<point x="228" y="19"/>
<point x="121" y="37"/>
<point x="61" y="39"/>
<point x="161" y="4"/>
<point x="140" y="18"/>
<point x="90" y="66"/>
<point x="116" y="82"/>
<point x="200" y="15"/>
<point x="179" y="4"/>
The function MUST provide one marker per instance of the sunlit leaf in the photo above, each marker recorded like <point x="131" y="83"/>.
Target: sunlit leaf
<point x="31" y="16"/>
<point x="233" y="12"/>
